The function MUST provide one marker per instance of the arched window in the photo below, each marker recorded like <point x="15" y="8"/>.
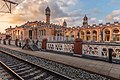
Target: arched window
<point x="44" y="32"/>
<point x="116" y="35"/>
<point x="57" y="34"/>
<point x="95" y="35"/>
<point x="115" y="30"/>
<point x="60" y="34"/>
<point x="72" y="35"/>
<point x="21" y="35"/>
<point x="18" y="34"/>
<point x="88" y="38"/>
<point x="82" y="35"/>
<point x="40" y="32"/>
<point x="78" y="34"/>
<point x="107" y="35"/>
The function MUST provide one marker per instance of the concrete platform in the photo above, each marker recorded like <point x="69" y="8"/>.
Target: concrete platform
<point x="100" y="67"/>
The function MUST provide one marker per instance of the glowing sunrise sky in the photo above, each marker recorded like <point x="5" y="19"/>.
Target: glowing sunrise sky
<point x="98" y="11"/>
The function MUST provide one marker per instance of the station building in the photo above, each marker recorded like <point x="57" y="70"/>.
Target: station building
<point x="38" y="30"/>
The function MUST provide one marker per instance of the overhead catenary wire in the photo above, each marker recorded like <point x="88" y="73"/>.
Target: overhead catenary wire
<point x="9" y="6"/>
<point x="18" y="4"/>
<point x="6" y="2"/>
<point x="2" y="6"/>
<point x="3" y="12"/>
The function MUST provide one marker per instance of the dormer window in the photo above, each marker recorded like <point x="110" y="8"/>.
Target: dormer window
<point x="116" y="23"/>
<point x="100" y="25"/>
<point x="108" y="24"/>
<point x="115" y="31"/>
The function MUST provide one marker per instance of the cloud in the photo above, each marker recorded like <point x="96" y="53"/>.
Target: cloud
<point x="75" y="13"/>
<point x="113" y="2"/>
<point x="114" y="15"/>
<point x="30" y="10"/>
<point x="26" y="12"/>
<point x="96" y="11"/>
<point x="116" y="18"/>
<point x="66" y="3"/>
<point x="100" y="21"/>
<point x="17" y="19"/>
<point x="4" y="6"/>
<point x="36" y="11"/>
<point x="93" y="20"/>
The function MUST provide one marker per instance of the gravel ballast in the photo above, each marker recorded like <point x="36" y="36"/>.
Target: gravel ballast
<point x="75" y="73"/>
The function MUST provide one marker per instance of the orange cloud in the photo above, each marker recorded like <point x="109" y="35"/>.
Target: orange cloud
<point x="17" y="19"/>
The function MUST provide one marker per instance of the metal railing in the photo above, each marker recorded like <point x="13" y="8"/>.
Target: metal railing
<point x="101" y="50"/>
<point x="60" y="47"/>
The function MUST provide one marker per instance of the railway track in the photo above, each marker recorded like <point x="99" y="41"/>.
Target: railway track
<point x="69" y="72"/>
<point x="5" y="72"/>
<point x="23" y="70"/>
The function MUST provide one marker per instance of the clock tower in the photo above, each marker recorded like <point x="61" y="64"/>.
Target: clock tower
<point x="85" y="21"/>
<point x="47" y="13"/>
<point x="64" y="24"/>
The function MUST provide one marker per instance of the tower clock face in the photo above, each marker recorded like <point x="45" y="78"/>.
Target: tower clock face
<point x="48" y="12"/>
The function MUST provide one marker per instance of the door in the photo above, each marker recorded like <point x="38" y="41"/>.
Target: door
<point x="30" y="34"/>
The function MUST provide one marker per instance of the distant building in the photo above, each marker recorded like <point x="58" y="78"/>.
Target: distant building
<point x="39" y="30"/>
<point x="9" y="32"/>
<point x="2" y="36"/>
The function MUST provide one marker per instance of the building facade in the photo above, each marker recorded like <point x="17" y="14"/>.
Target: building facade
<point x="39" y="30"/>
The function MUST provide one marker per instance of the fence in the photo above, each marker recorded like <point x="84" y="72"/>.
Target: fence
<point x="12" y="42"/>
<point x="65" y="47"/>
<point x="56" y="38"/>
<point x="61" y="47"/>
<point x="22" y="42"/>
<point x="98" y="50"/>
<point x="101" y="50"/>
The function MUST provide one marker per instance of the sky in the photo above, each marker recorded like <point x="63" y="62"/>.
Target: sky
<point x="73" y="11"/>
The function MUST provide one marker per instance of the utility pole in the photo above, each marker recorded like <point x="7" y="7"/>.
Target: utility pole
<point x="8" y="4"/>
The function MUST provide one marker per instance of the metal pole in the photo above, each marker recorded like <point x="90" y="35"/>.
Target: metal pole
<point x="110" y="55"/>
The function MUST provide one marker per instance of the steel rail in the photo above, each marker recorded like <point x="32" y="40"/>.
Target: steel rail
<point x="54" y="72"/>
<point x="14" y="74"/>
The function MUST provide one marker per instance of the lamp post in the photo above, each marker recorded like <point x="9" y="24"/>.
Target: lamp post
<point x="101" y="33"/>
<point x="54" y="34"/>
<point x="36" y="33"/>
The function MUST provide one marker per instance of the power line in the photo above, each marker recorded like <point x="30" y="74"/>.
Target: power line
<point x="8" y="4"/>
<point x="9" y="7"/>
<point x="2" y="6"/>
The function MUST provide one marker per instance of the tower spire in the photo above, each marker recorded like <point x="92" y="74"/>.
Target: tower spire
<point x="64" y="23"/>
<point x="85" y="21"/>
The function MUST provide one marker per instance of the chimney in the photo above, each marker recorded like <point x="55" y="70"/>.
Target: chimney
<point x="100" y="24"/>
<point x="108" y="23"/>
<point x="94" y="25"/>
<point x="10" y="26"/>
<point x="116" y="22"/>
